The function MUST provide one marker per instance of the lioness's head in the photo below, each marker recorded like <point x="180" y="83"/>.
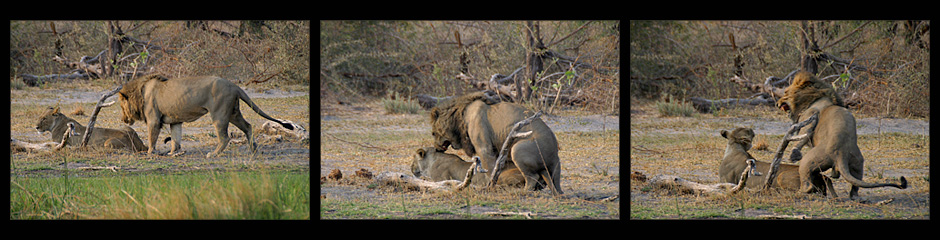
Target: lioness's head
<point x="804" y="90"/>
<point x="422" y="160"/>
<point x="47" y="119"/>
<point x="741" y="136"/>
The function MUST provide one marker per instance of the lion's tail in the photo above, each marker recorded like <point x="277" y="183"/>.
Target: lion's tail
<point x="244" y="97"/>
<point x="844" y="168"/>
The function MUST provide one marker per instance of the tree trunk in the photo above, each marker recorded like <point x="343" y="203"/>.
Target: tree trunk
<point x="810" y="49"/>
<point x="115" y="36"/>
<point x="533" y="60"/>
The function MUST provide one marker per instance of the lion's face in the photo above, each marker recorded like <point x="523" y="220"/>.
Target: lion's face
<point x="805" y="90"/>
<point x="47" y="120"/>
<point x="445" y="131"/>
<point x="129" y="112"/>
<point x="442" y="138"/>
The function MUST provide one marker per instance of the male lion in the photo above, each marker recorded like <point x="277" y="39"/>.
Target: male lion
<point x="833" y="141"/>
<point x="736" y="155"/>
<point x="479" y="125"/>
<point x="440" y="166"/>
<point x="157" y="100"/>
<point x="57" y="123"/>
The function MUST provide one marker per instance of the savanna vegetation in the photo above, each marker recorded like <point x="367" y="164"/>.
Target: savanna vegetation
<point x="880" y="68"/>
<point x="372" y="72"/>
<point x="70" y="64"/>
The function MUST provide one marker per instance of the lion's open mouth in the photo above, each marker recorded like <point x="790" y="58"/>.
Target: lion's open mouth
<point x="785" y="107"/>
<point x="443" y="146"/>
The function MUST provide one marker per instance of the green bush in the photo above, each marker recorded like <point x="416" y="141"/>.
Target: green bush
<point x="668" y="106"/>
<point x="395" y="103"/>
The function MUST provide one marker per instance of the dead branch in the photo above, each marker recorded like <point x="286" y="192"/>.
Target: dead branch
<point x="528" y="215"/>
<point x="112" y="168"/>
<point x="504" y="151"/>
<point x="751" y="169"/>
<point x="65" y="137"/>
<point x="846" y="35"/>
<point x="768" y="216"/>
<point x="707" y="106"/>
<point x="428" y="101"/>
<point x="780" y="82"/>
<point x="94" y="114"/>
<point x="474" y="168"/>
<point x="505" y="92"/>
<point x="564" y="99"/>
<point x="33" y="80"/>
<point x="408" y="181"/>
<point x="18" y="146"/>
<point x="569" y="34"/>
<point x="273" y="128"/>
<point x="682" y="185"/>
<point x="775" y="164"/>
<point x="777" y="92"/>
<point x="686" y="186"/>
<point x="82" y="66"/>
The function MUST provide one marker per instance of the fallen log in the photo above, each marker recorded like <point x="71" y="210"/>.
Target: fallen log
<point x="686" y="186"/>
<point x="767" y="88"/>
<point x="33" y="80"/>
<point x="273" y="128"/>
<point x="17" y="145"/>
<point x="707" y="106"/>
<point x="787" y="138"/>
<point x="94" y="115"/>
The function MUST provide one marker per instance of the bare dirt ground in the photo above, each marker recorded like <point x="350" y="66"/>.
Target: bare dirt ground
<point x="691" y="147"/>
<point x="363" y="136"/>
<point x="198" y="136"/>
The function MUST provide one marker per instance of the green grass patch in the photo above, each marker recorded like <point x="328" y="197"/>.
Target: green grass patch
<point x="206" y="195"/>
<point x="669" y="106"/>
<point x="395" y="103"/>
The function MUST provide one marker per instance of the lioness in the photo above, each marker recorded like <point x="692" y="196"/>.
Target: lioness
<point x="157" y="100"/>
<point x="736" y="155"/>
<point x="834" y="140"/>
<point x="479" y="126"/>
<point x="56" y="122"/>
<point x="439" y="166"/>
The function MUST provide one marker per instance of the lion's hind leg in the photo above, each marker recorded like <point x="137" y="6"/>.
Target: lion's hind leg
<point x="221" y="130"/>
<point x="239" y="121"/>
<point x="176" y="135"/>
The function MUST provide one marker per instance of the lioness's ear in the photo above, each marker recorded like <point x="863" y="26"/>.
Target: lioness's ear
<point x="421" y="152"/>
<point x="724" y="133"/>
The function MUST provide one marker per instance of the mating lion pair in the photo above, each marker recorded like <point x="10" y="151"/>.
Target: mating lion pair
<point x="833" y="143"/>
<point x="478" y="123"/>
<point x="157" y="100"/>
